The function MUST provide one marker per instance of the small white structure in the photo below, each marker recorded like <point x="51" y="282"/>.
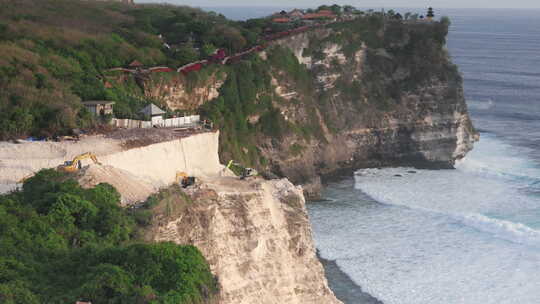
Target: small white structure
<point x="155" y="114"/>
<point x="192" y="121"/>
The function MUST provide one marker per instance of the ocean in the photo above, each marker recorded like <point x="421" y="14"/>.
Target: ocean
<point x="469" y="235"/>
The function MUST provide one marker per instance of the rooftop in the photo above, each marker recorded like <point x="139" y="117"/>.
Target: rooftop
<point x="152" y="110"/>
<point x="97" y="102"/>
<point x="281" y="20"/>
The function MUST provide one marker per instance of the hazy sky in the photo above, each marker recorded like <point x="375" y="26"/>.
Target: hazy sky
<point x="361" y="3"/>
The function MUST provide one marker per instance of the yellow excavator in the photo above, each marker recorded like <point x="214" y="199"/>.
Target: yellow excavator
<point x="75" y="164"/>
<point x="184" y="180"/>
<point x="68" y="166"/>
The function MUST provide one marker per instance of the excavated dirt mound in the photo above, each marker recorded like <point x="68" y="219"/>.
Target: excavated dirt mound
<point x="130" y="187"/>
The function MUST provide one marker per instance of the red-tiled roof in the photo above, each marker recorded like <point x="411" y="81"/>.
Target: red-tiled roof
<point x="281" y="20"/>
<point x="325" y="12"/>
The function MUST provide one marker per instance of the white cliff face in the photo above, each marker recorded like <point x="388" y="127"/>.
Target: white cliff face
<point x="158" y="163"/>
<point x="257" y="239"/>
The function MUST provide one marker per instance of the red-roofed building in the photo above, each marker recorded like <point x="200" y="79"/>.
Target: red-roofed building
<point x="281" y="20"/>
<point x="325" y="12"/>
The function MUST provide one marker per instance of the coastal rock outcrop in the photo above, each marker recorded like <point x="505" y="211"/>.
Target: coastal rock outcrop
<point x="256" y="237"/>
<point x="386" y="106"/>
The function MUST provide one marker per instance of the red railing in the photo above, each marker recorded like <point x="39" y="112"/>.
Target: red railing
<point x="220" y="56"/>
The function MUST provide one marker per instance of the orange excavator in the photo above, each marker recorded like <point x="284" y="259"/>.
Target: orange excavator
<point x="184" y="180"/>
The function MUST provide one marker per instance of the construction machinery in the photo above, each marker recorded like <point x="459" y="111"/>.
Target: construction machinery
<point x="248" y="172"/>
<point x="75" y="164"/>
<point x="184" y="180"/>
<point x="244" y="172"/>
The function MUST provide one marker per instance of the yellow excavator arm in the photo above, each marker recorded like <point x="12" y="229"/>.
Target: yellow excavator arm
<point x="72" y="166"/>
<point x="180" y="176"/>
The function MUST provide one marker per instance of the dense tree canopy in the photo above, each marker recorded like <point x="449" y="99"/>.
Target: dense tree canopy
<point x="62" y="243"/>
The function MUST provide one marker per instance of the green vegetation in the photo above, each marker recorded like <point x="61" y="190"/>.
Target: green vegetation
<point x="297" y="149"/>
<point x="55" y="53"/>
<point x="61" y="243"/>
<point x="248" y="93"/>
<point x="393" y="46"/>
<point x="244" y="93"/>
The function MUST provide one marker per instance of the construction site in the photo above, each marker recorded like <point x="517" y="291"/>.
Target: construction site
<point x="137" y="162"/>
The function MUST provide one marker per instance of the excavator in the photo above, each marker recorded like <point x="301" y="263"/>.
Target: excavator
<point x="68" y="166"/>
<point x="75" y="164"/>
<point x="184" y="180"/>
<point x="245" y="172"/>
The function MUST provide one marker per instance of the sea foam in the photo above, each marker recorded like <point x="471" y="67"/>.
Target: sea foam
<point x="443" y="236"/>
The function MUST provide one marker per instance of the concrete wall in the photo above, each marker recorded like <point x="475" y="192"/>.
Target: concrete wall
<point x="177" y="122"/>
<point x="157" y="164"/>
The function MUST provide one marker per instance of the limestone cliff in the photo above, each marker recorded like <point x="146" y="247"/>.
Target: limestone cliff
<point x="254" y="233"/>
<point x="395" y="101"/>
<point x="182" y="92"/>
<point x="257" y="238"/>
<point x="371" y="92"/>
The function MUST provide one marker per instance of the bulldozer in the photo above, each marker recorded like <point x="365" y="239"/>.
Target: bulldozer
<point x="75" y="164"/>
<point x="184" y="180"/>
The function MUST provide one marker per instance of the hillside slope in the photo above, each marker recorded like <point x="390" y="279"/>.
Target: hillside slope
<point x="57" y="53"/>
<point x="368" y="92"/>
